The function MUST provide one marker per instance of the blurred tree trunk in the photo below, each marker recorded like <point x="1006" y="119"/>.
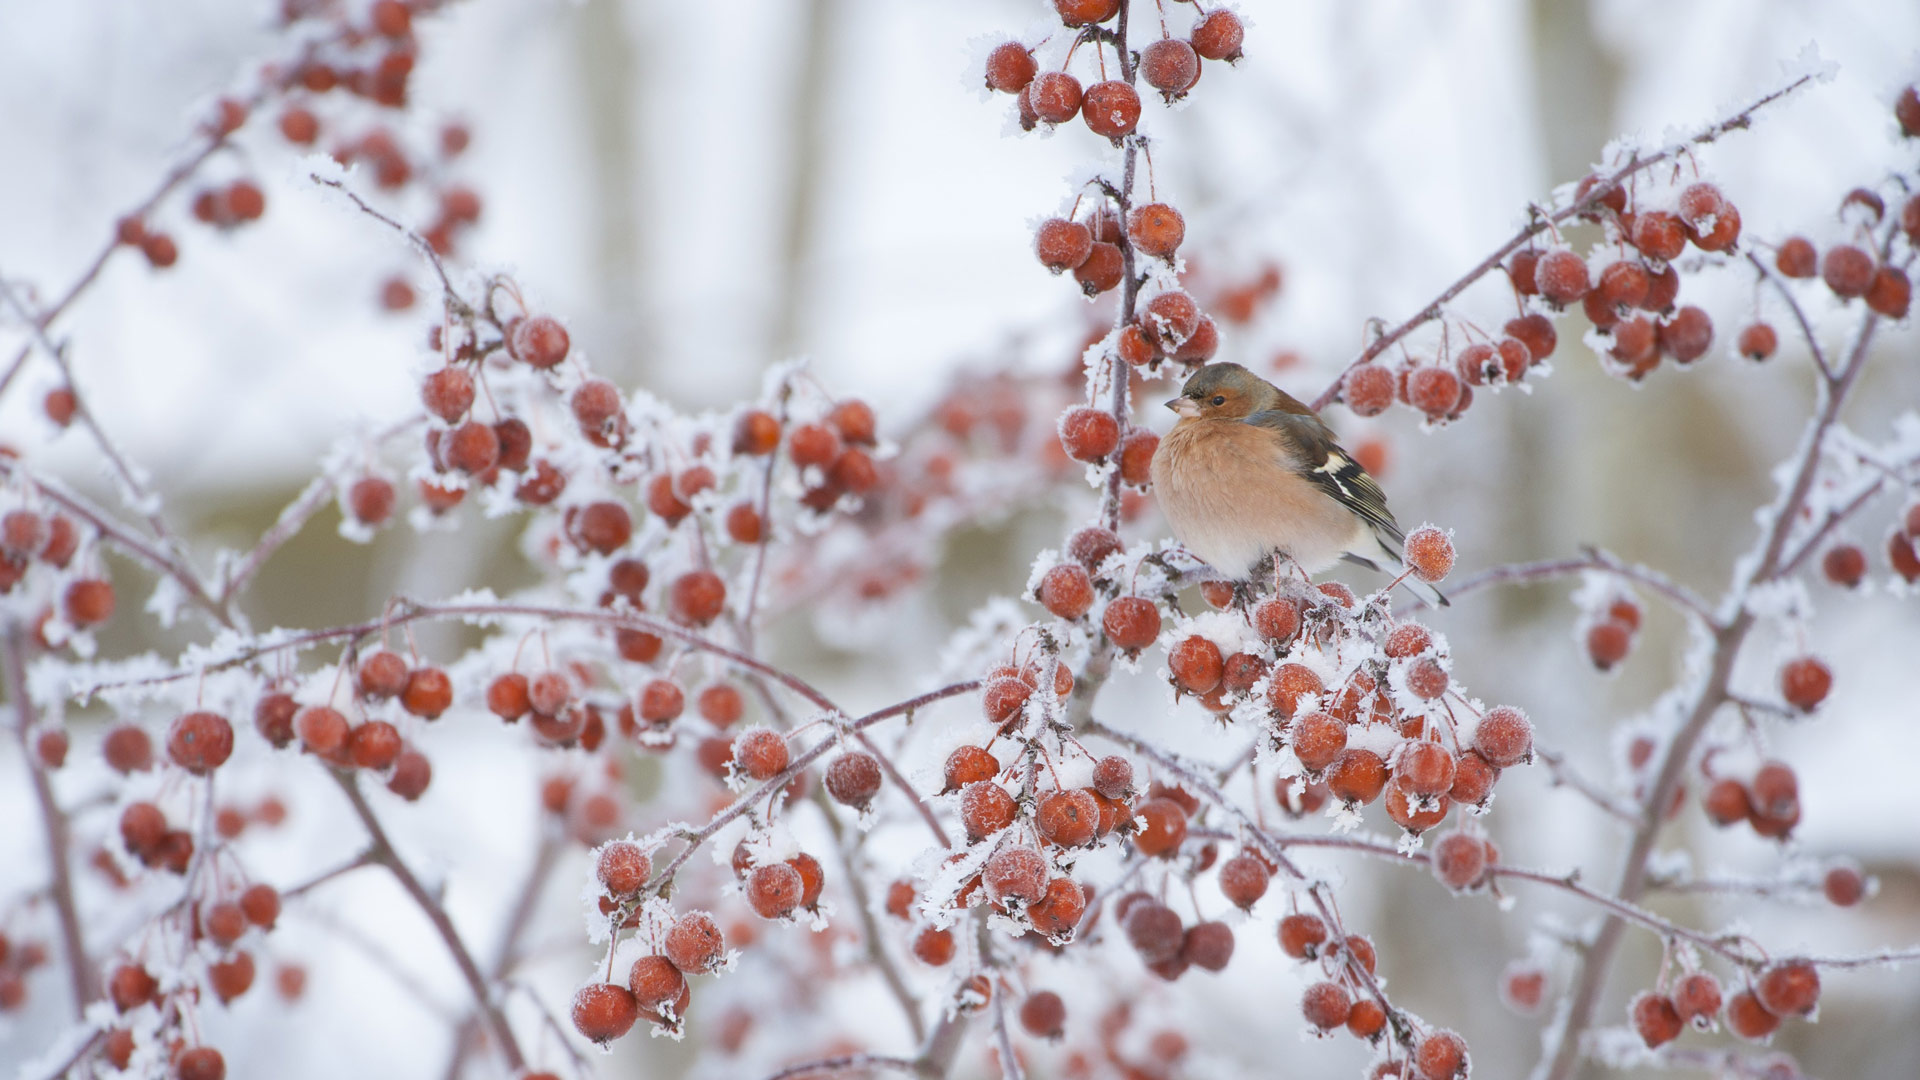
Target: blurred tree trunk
<point x="610" y="89"/>
<point x="820" y="32"/>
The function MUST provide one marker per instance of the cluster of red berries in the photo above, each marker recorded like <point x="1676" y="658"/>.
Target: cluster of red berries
<point x="1110" y="107"/>
<point x="1769" y="801"/>
<point x="1442" y="388"/>
<point x="18" y="959"/>
<point x="657" y="985"/>
<point x="29" y="537"/>
<point x="1783" y="989"/>
<point x="1610" y="631"/>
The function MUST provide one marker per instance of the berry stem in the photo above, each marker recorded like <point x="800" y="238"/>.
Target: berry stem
<point x="1799" y="314"/>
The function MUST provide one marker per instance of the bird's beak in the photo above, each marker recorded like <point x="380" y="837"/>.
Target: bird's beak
<point x="1184" y="407"/>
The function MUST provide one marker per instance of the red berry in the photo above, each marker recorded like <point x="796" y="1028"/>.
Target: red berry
<point x="1460" y="860"/>
<point x="428" y="694"/>
<point x="1504" y="737"/>
<point x="1318" y="739"/>
<point x="623" y="868"/>
<point x="373" y="745"/>
<point x="1757" y="341"/>
<point x="1010" y="67"/>
<point x="1473" y="780"/>
<point x="1423" y="768"/>
<point x="1132" y="623"/>
<point x="1659" y="235"/>
<point x="540" y="340"/>
<point x="1726" y="802"/>
<point x="200" y="1063"/>
<point x="1196" y="665"/>
<point x="200" y="742"/>
<point x="967" y="765"/>
<point x="1015" y="874"/>
<point x="472" y="448"/>
<point x="1523" y="988"/>
<point x="1696" y="998"/>
<point x="1523" y="271"/>
<point x="1407" y="639"/>
<point x="934" y="947"/>
<point x="1561" y="276"/>
<point x="1156" y="229"/>
<point x="1906" y="109"/>
<point x="1750" y="1020"/>
<point x="853" y="779"/>
<point x="1844" y="564"/>
<point x="603" y="1012"/>
<point x="1061" y="244"/>
<point x="1104" y="268"/>
<point x="1165" y="829"/>
<point x="1805" y="682"/>
<point x="1848" y="271"/>
<point x="697" y="597"/>
<point x="1434" y="390"/>
<point x="1301" y="936"/>
<point x="1608" y="642"/>
<point x="260" y="905"/>
<point x="775" y="890"/>
<point x="1775" y="791"/>
<point x="1112" y="777"/>
<point x="1844" y="886"/>
<point x="761" y="753"/>
<point x="1218" y="35"/>
<point x="1089" y="434"/>
<point x="1430" y="552"/>
<point x="1655" y="1018"/>
<point x="1536" y="332"/>
<point x="1687" y="335"/>
<point x="322" y="730"/>
<point x="1170" y="66"/>
<point x="695" y="944"/>
<point x="1891" y="292"/>
<point x="1154" y="930"/>
<point x="1357" y="776"/>
<point x="1068" y="818"/>
<point x="1426" y="679"/>
<point x="595" y="403"/>
<point x="1368" y="389"/>
<point x="1059" y="913"/>
<point x="1043" y="1014"/>
<point x="1111" y="109"/>
<point x="1797" y="258"/>
<point x="1326" y="1005"/>
<point x="1791" y="988"/>
<point x="87" y="602"/>
<point x="1440" y="1055"/>
<point x="1244" y="879"/>
<point x="655" y="981"/>
<point x="1054" y="96"/>
<point x="1066" y="591"/>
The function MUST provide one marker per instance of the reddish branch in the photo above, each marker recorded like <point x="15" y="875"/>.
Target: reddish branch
<point x="1712" y="693"/>
<point x="53" y="825"/>
<point x="1542" y="222"/>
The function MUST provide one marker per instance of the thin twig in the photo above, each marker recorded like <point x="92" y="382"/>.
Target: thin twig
<point x="846" y="1063"/>
<point x="1566" y="775"/>
<point x="1682" y="598"/>
<point x="1541" y="223"/>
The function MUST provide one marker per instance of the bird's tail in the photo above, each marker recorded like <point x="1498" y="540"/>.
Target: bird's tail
<point x="1434" y="597"/>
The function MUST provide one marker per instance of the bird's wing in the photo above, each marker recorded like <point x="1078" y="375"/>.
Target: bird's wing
<point x="1328" y="467"/>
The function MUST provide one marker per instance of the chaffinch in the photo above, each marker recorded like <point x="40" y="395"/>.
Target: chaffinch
<point x="1248" y="472"/>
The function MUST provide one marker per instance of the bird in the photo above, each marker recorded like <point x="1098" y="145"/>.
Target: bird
<point x="1249" y="473"/>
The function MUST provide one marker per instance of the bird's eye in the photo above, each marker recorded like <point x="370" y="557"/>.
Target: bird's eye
<point x="1219" y="399"/>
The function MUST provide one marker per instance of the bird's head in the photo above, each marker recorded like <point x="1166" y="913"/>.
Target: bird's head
<point x="1229" y="392"/>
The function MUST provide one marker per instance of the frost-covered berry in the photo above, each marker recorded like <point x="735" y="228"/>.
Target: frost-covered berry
<point x="1687" y="335"/>
<point x="1459" y="860"/>
<point x="374" y="745"/>
<point x="1244" y="880"/>
<point x="1068" y="818"/>
<point x="1301" y="935"/>
<point x="539" y="341"/>
<point x="985" y="809"/>
<point x="1696" y="998"/>
<point x="1749" y="1019"/>
<point x="1219" y="35"/>
<point x="428" y="692"/>
<point x="1112" y="777"/>
<point x="1561" y="277"/>
<point x="1196" y="665"/>
<point x="200" y="741"/>
<point x="934" y="947"/>
<point x="1891" y="292"/>
<point x="1655" y="1019"/>
<point x="1426" y="679"/>
<point x="1424" y="769"/>
<point x="1061" y="244"/>
<point x="1154" y="930"/>
<point x="1163" y="827"/>
<point x="1430" y="553"/>
<point x="1156" y="229"/>
<point x="760" y="753"/>
<point x="695" y="944"/>
<point x="1407" y="639"/>
<point x="775" y="890"/>
<point x="1366" y="1020"/>
<point x="1132" y="623"/>
<point x="1659" y="235"/>
<point x="1054" y="96"/>
<point x="1805" y="682"/>
<point x="655" y="981"/>
<point x="1010" y="67"/>
<point x="1440" y="1055"/>
<point x="1726" y="802"/>
<point x="623" y="868"/>
<point x="1318" y="739"/>
<point x="1536" y="332"/>
<point x="1433" y="390"/>
<point x="1170" y="66"/>
<point x="448" y="393"/>
<point x="1104" y="268"/>
<point x="1326" y="1005"/>
<point x="1473" y="780"/>
<point x="1848" y="271"/>
<point x="853" y="779"/>
<point x="1797" y="258"/>
<point x="1504" y="737"/>
<point x="968" y="764"/>
<point x="603" y="1012"/>
<point x="1111" y="109"/>
<point x="1015" y="874"/>
<point x="1368" y="389"/>
<point x="1002" y="699"/>
<point x="697" y="597"/>
<point x="1357" y="776"/>
<point x="1790" y="988"/>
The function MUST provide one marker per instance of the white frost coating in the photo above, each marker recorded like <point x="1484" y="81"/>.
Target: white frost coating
<point x="985" y="640"/>
<point x="1226" y="629"/>
<point x="944" y="880"/>
<point x="1382" y="739"/>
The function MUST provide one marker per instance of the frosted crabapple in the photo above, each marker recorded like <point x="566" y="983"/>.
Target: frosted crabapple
<point x="1010" y="67"/>
<point x="1062" y="245"/>
<point x="1170" y="66"/>
<point x="1111" y="109"/>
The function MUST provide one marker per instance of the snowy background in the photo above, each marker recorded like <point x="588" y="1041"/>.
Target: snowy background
<point x="704" y="189"/>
